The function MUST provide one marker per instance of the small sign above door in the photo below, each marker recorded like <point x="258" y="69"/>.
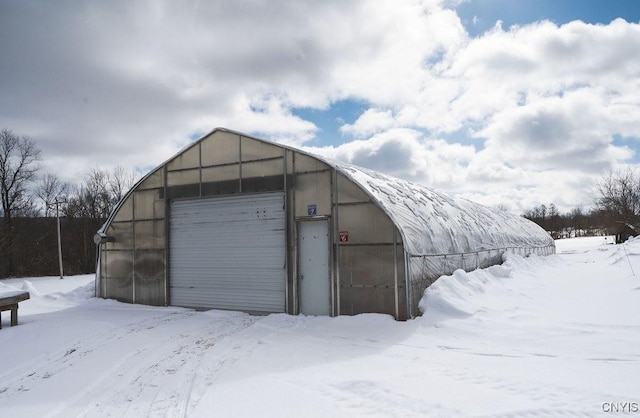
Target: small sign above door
<point x="344" y="236"/>
<point x="312" y="210"/>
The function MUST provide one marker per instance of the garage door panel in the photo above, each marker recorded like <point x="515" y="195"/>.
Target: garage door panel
<point x="229" y="281"/>
<point x="229" y="253"/>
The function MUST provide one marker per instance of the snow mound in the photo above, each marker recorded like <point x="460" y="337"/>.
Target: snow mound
<point x="82" y="293"/>
<point x="622" y="253"/>
<point x="29" y="287"/>
<point x="455" y="296"/>
<point x="78" y="294"/>
<point x="449" y="296"/>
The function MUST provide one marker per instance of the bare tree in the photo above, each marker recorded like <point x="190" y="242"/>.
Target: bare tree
<point x="50" y="190"/>
<point x="92" y="199"/>
<point x="19" y="158"/>
<point x="554" y="220"/>
<point x="577" y="217"/>
<point x="618" y="194"/>
<point x="99" y="193"/>
<point x="120" y="181"/>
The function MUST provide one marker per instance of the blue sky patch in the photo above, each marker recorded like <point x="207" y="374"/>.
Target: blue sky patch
<point x="630" y="142"/>
<point x="330" y="120"/>
<point x="478" y="16"/>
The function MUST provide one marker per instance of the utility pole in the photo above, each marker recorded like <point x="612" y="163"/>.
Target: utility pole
<point x="59" y="239"/>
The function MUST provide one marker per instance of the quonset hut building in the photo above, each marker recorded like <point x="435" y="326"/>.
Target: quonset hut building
<point x="235" y="222"/>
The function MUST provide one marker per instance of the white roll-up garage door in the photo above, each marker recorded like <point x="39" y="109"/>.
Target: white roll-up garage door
<point x="228" y="253"/>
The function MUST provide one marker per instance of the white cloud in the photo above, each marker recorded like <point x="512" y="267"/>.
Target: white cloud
<point x="408" y="154"/>
<point x="550" y="132"/>
<point x="129" y="83"/>
<point x="369" y="123"/>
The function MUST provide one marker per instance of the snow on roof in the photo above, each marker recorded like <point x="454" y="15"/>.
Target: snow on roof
<point x="433" y="223"/>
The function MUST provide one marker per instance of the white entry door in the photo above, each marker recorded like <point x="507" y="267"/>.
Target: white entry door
<point x="313" y="245"/>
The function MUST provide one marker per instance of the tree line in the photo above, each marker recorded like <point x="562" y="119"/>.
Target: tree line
<point x="33" y="201"/>
<point x="577" y="222"/>
<point x="615" y="211"/>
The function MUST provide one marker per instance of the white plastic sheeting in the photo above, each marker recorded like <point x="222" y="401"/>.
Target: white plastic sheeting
<point x="433" y="223"/>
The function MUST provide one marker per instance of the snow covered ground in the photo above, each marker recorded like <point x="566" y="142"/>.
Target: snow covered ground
<point x="535" y="337"/>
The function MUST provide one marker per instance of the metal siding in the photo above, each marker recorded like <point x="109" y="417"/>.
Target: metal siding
<point x="229" y="253"/>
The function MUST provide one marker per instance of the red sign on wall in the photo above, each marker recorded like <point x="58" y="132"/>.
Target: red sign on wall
<point x="344" y="236"/>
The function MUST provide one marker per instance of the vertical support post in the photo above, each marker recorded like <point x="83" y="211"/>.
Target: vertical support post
<point x="287" y="233"/>
<point x="96" y="282"/>
<point x="200" y="169"/>
<point x="103" y="280"/>
<point x="167" y="217"/>
<point x="133" y="249"/>
<point x="335" y="241"/>
<point x="294" y="236"/>
<point x="59" y="239"/>
<point x="240" y="163"/>
<point x="395" y="274"/>
<point x="14" y="315"/>
<point x="407" y="278"/>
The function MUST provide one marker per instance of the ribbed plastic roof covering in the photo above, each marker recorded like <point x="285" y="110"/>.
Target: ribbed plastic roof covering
<point x="430" y="222"/>
<point x="433" y="223"/>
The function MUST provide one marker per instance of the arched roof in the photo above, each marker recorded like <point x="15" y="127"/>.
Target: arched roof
<point x="433" y="222"/>
<point x="430" y="222"/>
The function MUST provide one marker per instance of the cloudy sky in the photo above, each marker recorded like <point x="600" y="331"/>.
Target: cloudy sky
<point x="512" y="103"/>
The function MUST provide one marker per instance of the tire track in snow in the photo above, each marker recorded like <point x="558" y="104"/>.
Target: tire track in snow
<point x="25" y="377"/>
<point x="157" y="381"/>
<point x="200" y="374"/>
<point x="147" y="367"/>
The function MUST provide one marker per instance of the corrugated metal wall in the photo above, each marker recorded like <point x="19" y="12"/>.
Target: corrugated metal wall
<point x="228" y="253"/>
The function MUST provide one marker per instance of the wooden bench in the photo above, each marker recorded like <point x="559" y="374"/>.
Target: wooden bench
<point x="9" y="302"/>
